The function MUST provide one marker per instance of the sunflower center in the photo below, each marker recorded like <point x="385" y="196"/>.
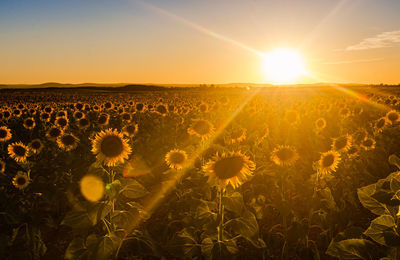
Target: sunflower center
<point x="29" y="122"/>
<point x="328" y="160"/>
<point x="201" y="127"/>
<point x="380" y="123"/>
<point x="229" y="167"/>
<point x="367" y="142"/>
<point x="285" y="154"/>
<point x="62" y="121"/>
<point x="102" y="119"/>
<point x="340" y="143"/>
<point x="68" y="140"/>
<point x="177" y="158"/>
<point x="19" y="150"/>
<point x="393" y="116"/>
<point x="83" y="122"/>
<point x="21" y="180"/>
<point x="3" y="133"/>
<point x="111" y="146"/>
<point x="36" y="145"/>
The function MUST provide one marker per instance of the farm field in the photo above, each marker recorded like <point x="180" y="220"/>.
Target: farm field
<point x="205" y="173"/>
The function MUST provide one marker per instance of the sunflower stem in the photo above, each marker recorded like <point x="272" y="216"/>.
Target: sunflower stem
<point x="220" y="215"/>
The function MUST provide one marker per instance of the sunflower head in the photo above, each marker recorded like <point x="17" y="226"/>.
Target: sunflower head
<point x="61" y="122"/>
<point x="53" y="133"/>
<point x="36" y="146"/>
<point x="67" y="141"/>
<point x="111" y="147"/>
<point x="176" y="158"/>
<point x="79" y="115"/>
<point x="284" y="155"/>
<point x="232" y="168"/>
<point x="83" y="123"/>
<point x="342" y="143"/>
<point x="21" y="180"/>
<point x="5" y="134"/>
<point x="45" y="117"/>
<point x="320" y="123"/>
<point x="103" y="119"/>
<point x="329" y="162"/>
<point x="368" y="144"/>
<point x="130" y="130"/>
<point x="380" y="124"/>
<point x="237" y="136"/>
<point x="18" y="151"/>
<point x="29" y="123"/>
<point x="393" y="116"/>
<point x="201" y="128"/>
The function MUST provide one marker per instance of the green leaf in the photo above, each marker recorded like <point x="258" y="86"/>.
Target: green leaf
<point x="97" y="211"/>
<point x="76" y="249"/>
<point x="224" y="250"/>
<point x="184" y="245"/>
<point x="133" y="190"/>
<point x="234" y="202"/>
<point x="354" y="249"/>
<point x="106" y="246"/>
<point x="365" y="196"/>
<point x="113" y="189"/>
<point x="123" y="218"/>
<point x="395" y="183"/>
<point x="77" y="219"/>
<point x="382" y="230"/>
<point x="245" y="226"/>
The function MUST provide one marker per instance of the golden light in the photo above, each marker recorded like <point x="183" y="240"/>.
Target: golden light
<point x="92" y="188"/>
<point x="283" y="66"/>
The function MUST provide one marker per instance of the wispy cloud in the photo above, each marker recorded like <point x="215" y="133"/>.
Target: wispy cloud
<point x="352" y="61"/>
<point x="382" y="40"/>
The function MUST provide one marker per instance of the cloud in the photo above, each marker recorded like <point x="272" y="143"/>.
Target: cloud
<point x="385" y="39"/>
<point x="352" y="61"/>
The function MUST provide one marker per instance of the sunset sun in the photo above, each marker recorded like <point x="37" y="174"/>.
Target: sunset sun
<point x="283" y="66"/>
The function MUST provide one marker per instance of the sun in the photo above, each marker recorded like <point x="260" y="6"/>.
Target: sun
<point x="283" y="66"/>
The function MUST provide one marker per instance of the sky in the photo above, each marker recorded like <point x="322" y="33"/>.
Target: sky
<point x="204" y="42"/>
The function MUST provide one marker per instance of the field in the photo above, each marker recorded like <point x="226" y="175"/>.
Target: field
<point x="230" y="173"/>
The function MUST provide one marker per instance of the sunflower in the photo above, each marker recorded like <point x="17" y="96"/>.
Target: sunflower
<point x="130" y="130"/>
<point x="83" y="123"/>
<point x="21" y="180"/>
<point x="67" y="142"/>
<point x="2" y="166"/>
<point x="329" y="162"/>
<point x="61" y="122"/>
<point x="79" y="115"/>
<point x="53" y="133"/>
<point x="111" y="147"/>
<point x="380" y="124"/>
<point x="344" y="112"/>
<point x="292" y="116"/>
<point x="320" y="124"/>
<point x="368" y="144"/>
<point x="284" y="155"/>
<point x="176" y="158"/>
<point x="61" y="113"/>
<point x="103" y="119"/>
<point x="5" y="134"/>
<point x="203" y="108"/>
<point x="29" y="123"/>
<point x="161" y="109"/>
<point x="393" y="116"/>
<point x="232" y="168"/>
<point x="342" y="143"/>
<point x="18" y="151"/>
<point x="36" y="146"/>
<point x="126" y="117"/>
<point x="237" y="136"/>
<point x="201" y="128"/>
<point x="353" y="151"/>
<point x="45" y="117"/>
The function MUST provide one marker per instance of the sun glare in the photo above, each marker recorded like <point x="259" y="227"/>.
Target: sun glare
<point x="283" y="66"/>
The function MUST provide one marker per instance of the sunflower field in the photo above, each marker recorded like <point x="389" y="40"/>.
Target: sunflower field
<point x="230" y="173"/>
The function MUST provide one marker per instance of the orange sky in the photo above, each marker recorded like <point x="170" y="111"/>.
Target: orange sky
<point x="196" y="41"/>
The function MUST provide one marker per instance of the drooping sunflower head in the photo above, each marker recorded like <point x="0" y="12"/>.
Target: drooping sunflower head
<point x="329" y="162"/>
<point x="111" y="147"/>
<point x="176" y="159"/>
<point x="18" y="151"/>
<point x="232" y="168"/>
<point x="380" y="124"/>
<point x="284" y="155"/>
<point x="342" y="143"/>
<point x="67" y="141"/>
<point x="29" y="123"/>
<point x="393" y="116"/>
<point x="36" y="146"/>
<point x="53" y="133"/>
<point x="5" y="134"/>
<point x="201" y="128"/>
<point x="21" y="180"/>
<point x="368" y="144"/>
